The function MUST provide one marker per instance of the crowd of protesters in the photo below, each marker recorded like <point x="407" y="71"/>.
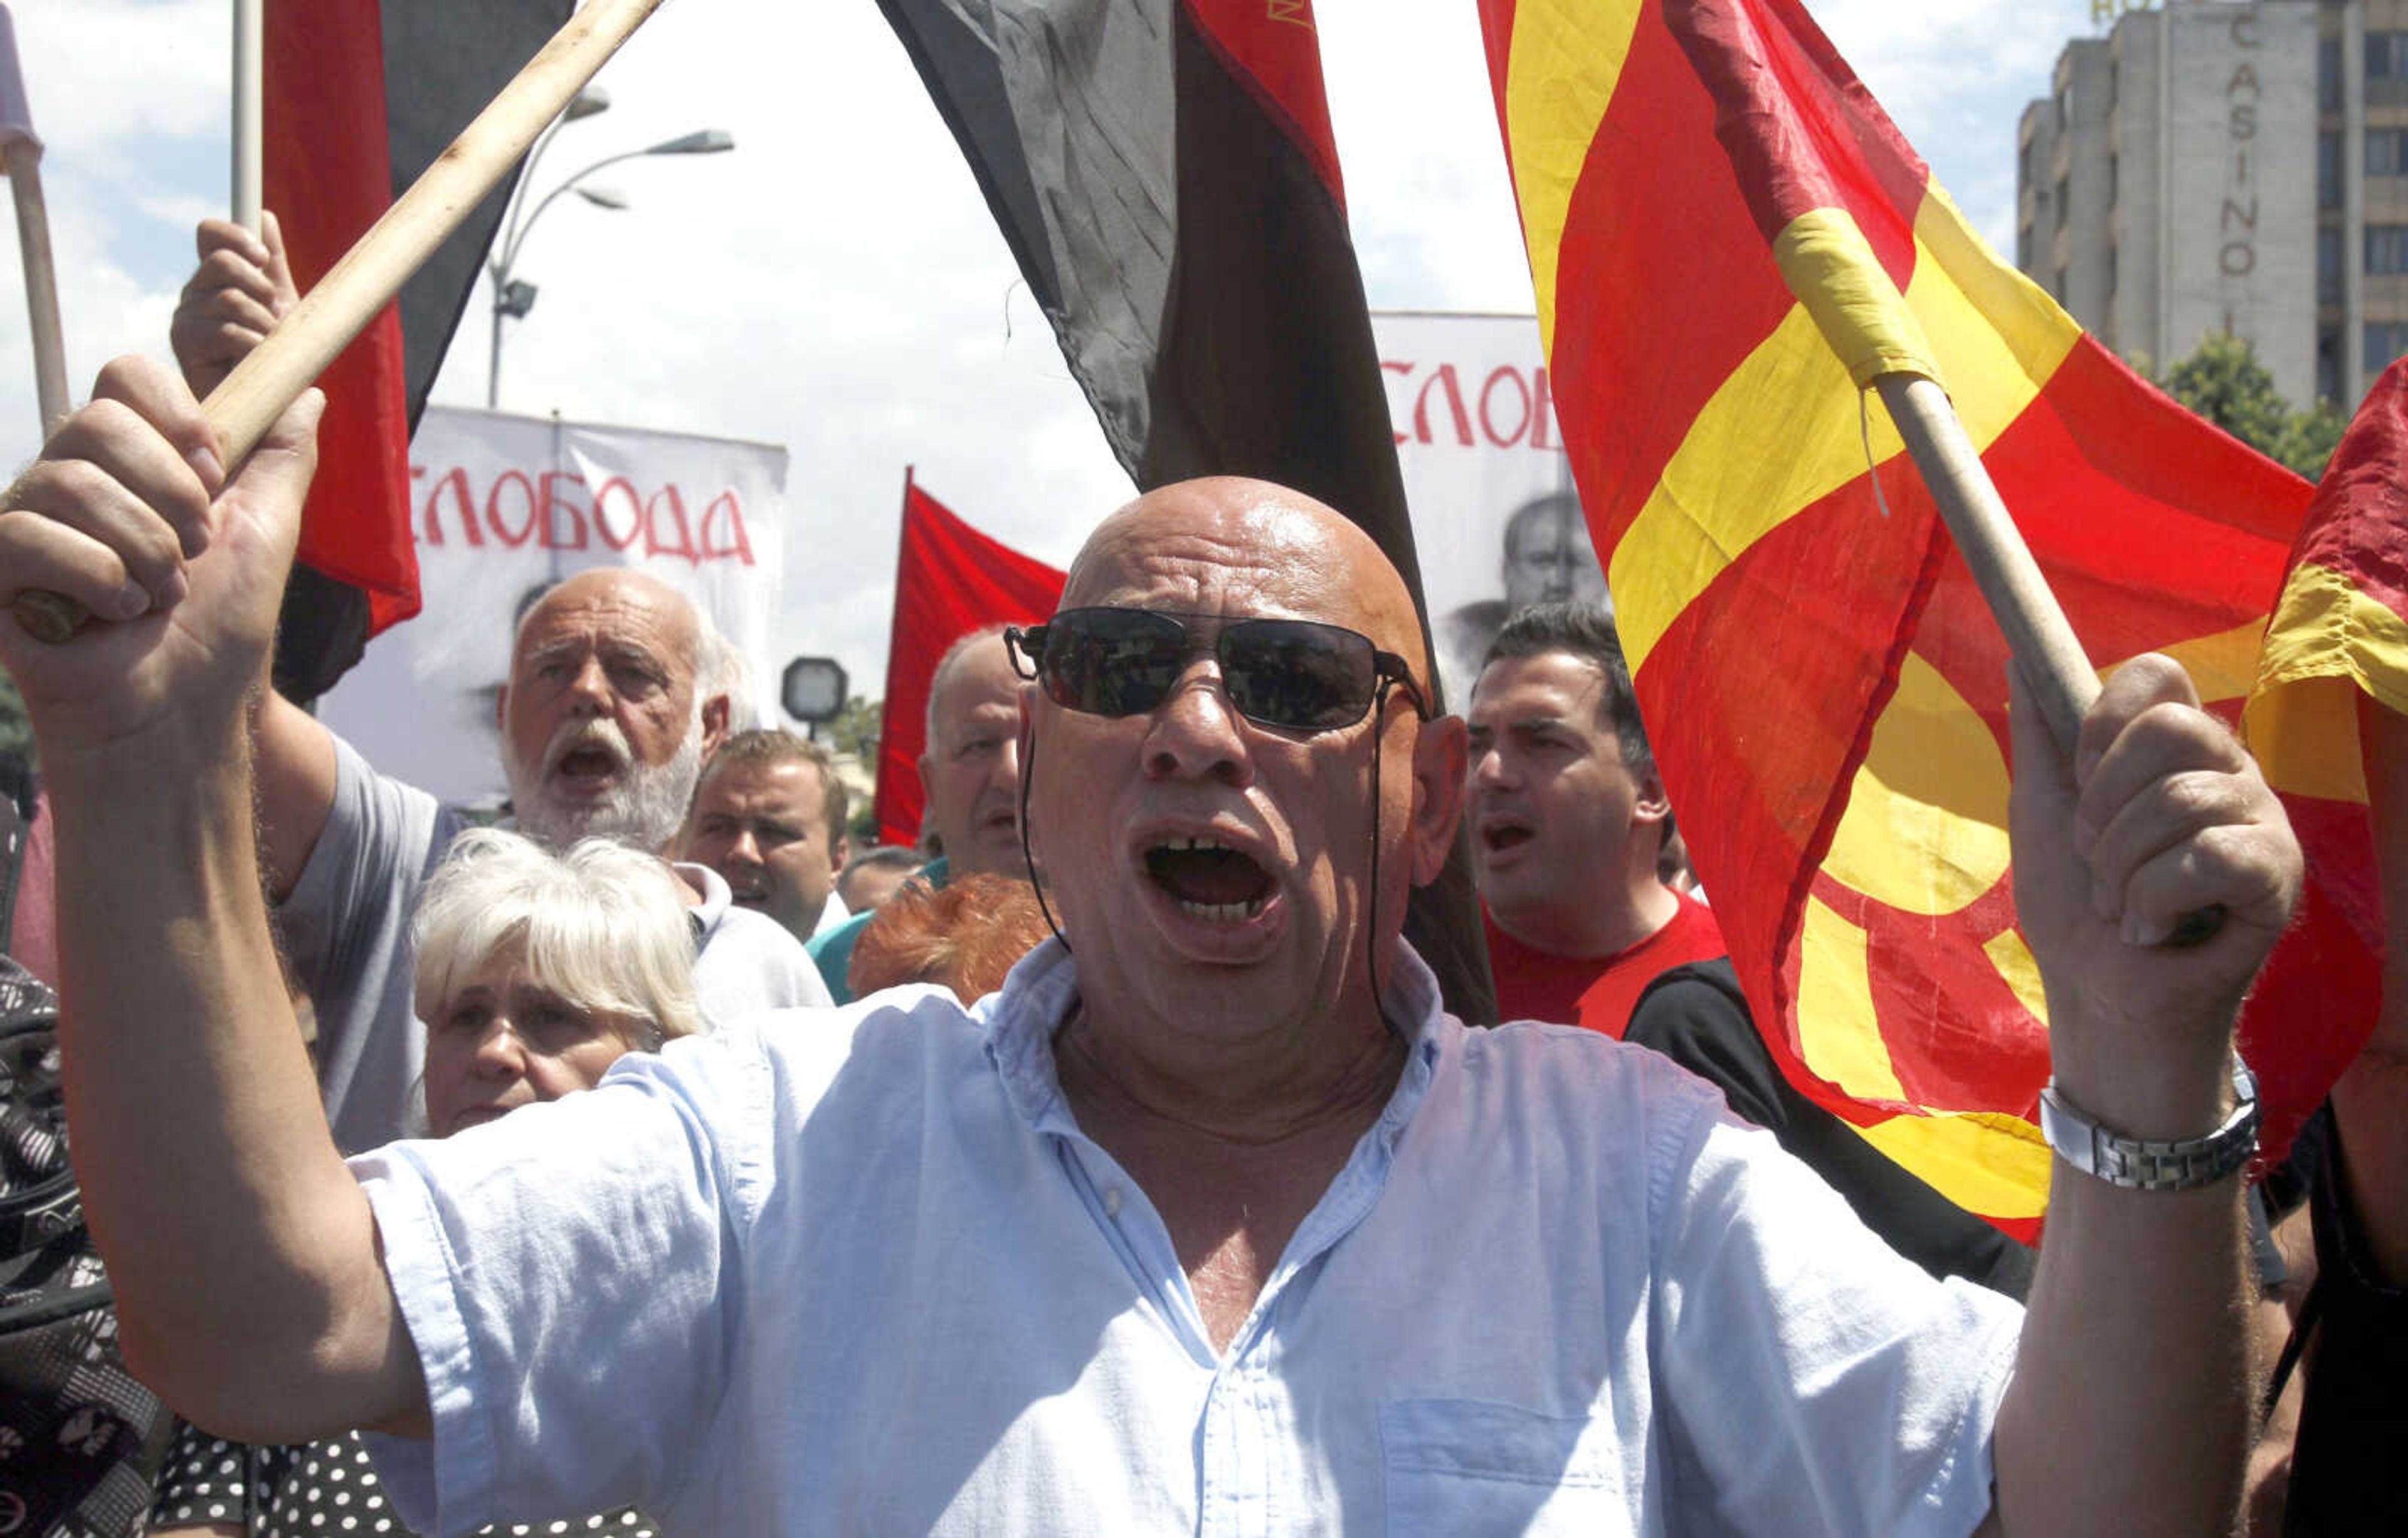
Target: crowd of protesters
<point x="1107" y="1163"/>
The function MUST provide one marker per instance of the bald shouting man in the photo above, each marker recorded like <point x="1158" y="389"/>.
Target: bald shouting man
<point x="1211" y="1220"/>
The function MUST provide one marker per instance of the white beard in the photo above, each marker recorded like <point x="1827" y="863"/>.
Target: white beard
<point x="644" y="809"/>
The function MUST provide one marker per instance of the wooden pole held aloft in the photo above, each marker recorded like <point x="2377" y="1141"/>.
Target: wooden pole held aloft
<point x="243" y="407"/>
<point x="24" y="162"/>
<point x="2046" y="651"/>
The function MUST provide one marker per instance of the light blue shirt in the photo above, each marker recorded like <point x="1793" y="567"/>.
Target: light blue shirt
<point x="863" y="1273"/>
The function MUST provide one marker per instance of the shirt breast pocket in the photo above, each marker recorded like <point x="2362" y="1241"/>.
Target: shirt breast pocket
<point x="1464" y="1468"/>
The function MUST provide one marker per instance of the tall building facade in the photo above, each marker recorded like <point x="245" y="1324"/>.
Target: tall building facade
<point x="2217" y="166"/>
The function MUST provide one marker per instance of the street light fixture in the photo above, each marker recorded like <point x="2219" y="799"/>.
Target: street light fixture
<point x="512" y="297"/>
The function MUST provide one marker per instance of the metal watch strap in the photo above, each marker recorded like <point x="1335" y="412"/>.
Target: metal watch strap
<point x="2153" y="1164"/>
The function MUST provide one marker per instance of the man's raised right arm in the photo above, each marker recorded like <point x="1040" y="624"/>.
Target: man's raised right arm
<point x="243" y="288"/>
<point x="199" y="1143"/>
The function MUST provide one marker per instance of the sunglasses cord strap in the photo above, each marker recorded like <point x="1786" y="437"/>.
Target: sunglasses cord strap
<point x="1371" y="941"/>
<point x="1027" y="776"/>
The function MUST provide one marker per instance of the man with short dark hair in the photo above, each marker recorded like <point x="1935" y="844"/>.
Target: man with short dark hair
<point x="869" y="878"/>
<point x="1212" y="1216"/>
<point x="1568" y="819"/>
<point x="770" y="817"/>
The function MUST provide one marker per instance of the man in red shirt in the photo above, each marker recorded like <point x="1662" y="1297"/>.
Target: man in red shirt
<point x="1568" y="819"/>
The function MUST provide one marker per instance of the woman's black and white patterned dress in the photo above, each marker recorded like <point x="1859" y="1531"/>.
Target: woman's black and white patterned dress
<point x="317" y="1489"/>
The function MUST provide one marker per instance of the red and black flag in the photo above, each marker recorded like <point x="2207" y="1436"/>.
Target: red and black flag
<point x="1165" y="173"/>
<point x="359" y="97"/>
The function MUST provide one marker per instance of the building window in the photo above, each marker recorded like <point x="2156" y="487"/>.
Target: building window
<point x="2064" y="204"/>
<point x="2387" y="247"/>
<point x="2060" y="285"/>
<point x="2115" y="180"/>
<point x="2387" y="152"/>
<point x="2329" y="265"/>
<point x="2385" y="341"/>
<point x="2329" y="363"/>
<point x="2111" y="272"/>
<point x="2024" y="249"/>
<point x="2329" y="168"/>
<point x="2328" y="74"/>
<point x="2386" y="68"/>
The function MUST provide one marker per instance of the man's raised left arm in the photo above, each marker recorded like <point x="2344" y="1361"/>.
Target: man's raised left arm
<point x="2130" y="1408"/>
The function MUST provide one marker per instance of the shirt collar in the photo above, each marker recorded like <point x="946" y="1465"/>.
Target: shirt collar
<point x="1043" y="988"/>
<point x="716" y="896"/>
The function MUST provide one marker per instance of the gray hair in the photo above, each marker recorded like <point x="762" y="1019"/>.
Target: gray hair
<point x="603" y="925"/>
<point x="945" y="665"/>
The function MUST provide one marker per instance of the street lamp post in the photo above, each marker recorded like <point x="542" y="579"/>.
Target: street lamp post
<point x="513" y="297"/>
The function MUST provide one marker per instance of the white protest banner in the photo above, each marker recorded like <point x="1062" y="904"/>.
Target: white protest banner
<point x="503" y="507"/>
<point x="1495" y="521"/>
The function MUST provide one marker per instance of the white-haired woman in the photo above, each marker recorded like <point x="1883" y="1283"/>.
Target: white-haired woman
<point x="535" y="973"/>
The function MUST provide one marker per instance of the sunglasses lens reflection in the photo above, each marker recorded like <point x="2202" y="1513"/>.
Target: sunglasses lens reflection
<point x="1290" y="674"/>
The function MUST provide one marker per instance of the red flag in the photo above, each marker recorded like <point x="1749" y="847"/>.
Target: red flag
<point x="2339" y="631"/>
<point x="329" y="175"/>
<point x="950" y="579"/>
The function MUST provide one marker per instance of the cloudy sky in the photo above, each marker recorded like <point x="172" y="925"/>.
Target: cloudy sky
<point x="835" y="284"/>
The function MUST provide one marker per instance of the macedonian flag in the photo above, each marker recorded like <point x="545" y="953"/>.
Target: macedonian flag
<point x="2339" y="634"/>
<point x="1729" y="242"/>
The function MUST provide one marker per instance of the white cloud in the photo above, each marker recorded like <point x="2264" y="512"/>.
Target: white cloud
<point x="835" y="284"/>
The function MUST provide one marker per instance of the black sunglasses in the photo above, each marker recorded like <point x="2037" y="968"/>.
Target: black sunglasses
<point x="1293" y="675"/>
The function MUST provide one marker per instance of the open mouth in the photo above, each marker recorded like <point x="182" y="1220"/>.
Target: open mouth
<point x="1208" y="880"/>
<point x="587" y="763"/>
<point x="1503" y="833"/>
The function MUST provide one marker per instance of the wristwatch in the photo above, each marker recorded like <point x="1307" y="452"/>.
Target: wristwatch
<point x="2153" y="1164"/>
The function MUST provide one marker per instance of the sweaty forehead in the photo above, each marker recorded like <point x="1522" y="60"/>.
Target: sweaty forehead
<point x="617" y="607"/>
<point x="781" y="786"/>
<point x="1245" y="548"/>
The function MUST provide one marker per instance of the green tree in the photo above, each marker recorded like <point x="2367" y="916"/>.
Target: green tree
<point x="2224" y="382"/>
<point x="855" y="730"/>
<point x="2311" y="437"/>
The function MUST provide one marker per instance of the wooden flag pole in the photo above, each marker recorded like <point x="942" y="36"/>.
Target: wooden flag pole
<point x="24" y="162"/>
<point x="2045" y="650"/>
<point x="250" y="39"/>
<point x="342" y="303"/>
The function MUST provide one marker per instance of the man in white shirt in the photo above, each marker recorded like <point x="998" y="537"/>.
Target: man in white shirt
<point x="1214" y="1222"/>
<point x="770" y="817"/>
